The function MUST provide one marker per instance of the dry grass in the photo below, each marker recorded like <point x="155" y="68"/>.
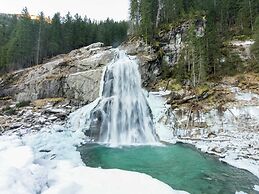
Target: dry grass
<point x="43" y="102"/>
<point x="246" y="81"/>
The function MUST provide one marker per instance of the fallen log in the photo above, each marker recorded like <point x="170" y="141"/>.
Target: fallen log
<point x="188" y="99"/>
<point x="201" y="139"/>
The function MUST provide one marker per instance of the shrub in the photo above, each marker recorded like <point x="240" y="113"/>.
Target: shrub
<point x="23" y="104"/>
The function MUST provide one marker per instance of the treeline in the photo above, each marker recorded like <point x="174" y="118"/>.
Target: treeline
<point x="203" y="57"/>
<point x="25" y="41"/>
<point x="228" y="16"/>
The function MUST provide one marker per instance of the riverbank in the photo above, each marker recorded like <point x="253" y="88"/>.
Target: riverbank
<point x="38" y="133"/>
<point x="230" y="131"/>
<point x="45" y="160"/>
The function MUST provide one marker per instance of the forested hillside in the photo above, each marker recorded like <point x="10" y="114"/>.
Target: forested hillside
<point x="207" y="55"/>
<point x="25" y="41"/>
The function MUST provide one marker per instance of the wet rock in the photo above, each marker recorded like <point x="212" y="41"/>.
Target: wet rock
<point x="52" y="118"/>
<point x="54" y="111"/>
<point x="46" y="151"/>
<point x="218" y="150"/>
<point x="16" y="126"/>
<point x="212" y="135"/>
<point x="42" y="120"/>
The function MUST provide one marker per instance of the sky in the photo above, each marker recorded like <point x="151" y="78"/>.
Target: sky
<point x="94" y="9"/>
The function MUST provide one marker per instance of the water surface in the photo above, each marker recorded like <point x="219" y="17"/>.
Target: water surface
<point x="180" y="166"/>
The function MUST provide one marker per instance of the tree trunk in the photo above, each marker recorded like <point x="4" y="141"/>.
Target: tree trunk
<point x="251" y="17"/>
<point x="200" y="68"/>
<point x="158" y="16"/>
<point x="193" y="69"/>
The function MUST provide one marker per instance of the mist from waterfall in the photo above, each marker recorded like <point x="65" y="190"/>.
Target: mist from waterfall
<point x="122" y="116"/>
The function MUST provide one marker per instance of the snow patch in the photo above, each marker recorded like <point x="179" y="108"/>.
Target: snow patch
<point x="240" y="192"/>
<point x="47" y="162"/>
<point x="242" y="43"/>
<point x="69" y="179"/>
<point x="246" y="96"/>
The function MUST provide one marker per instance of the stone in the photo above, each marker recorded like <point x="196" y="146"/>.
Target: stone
<point x="52" y="118"/>
<point x="42" y="120"/>
<point x="218" y="150"/>
<point x="166" y="52"/>
<point x="75" y="76"/>
<point x="84" y="86"/>
<point x="212" y="135"/>
<point x="16" y="125"/>
<point x="54" y="111"/>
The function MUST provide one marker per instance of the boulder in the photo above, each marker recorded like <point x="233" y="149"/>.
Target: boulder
<point x="75" y="76"/>
<point x="83" y="86"/>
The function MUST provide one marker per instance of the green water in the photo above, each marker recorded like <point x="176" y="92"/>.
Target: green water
<point x="180" y="166"/>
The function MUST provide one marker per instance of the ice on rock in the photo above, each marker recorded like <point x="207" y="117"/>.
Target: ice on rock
<point x="159" y="110"/>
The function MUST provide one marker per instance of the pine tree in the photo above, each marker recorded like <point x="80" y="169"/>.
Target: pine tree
<point x="25" y="42"/>
<point x="55" y="36"/>
<point x="67" y="30"/>
<point x="148" y="11"/>
<point x="255" y="47"/>
<point x="20" y="50"/>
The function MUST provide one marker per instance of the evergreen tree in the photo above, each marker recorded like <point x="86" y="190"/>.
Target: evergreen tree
<point x="25" y="42"/>
<point x="55" y="36"/>
<point x="78" y="36"/>
<point x="148" y="11"/>
<point x="201" y="57"/>
<point x="20" y="49"/>
<point x="255" y="47"/>
<point x="67" y="30"/>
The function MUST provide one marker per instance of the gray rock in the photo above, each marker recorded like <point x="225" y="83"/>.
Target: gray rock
<point x="84" y="86"/>
<point x="52" y="118"/>
<point x="170" y="45"/>
<point x="75" y="76"/>
<point x="16" y="126"/>
<point x="218" y="150"/>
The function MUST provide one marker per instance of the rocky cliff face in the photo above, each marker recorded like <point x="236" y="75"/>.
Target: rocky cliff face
<point x="149" y="62"/>
<point x="167" y="52"/>
<point x="173" y="41"/>
<point x="75" y="76"/>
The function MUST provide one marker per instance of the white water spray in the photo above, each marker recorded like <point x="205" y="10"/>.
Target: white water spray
<point x="122" y="116"/>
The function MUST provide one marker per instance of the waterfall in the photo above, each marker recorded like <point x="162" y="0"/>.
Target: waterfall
<point x="122" y="116"/>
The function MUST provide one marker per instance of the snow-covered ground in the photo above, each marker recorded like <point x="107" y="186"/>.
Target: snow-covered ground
<point x="235" y="132"/>
<point x="242" y="48"/>
<point x="242" y="43"/>
<point x="47" y="162"/>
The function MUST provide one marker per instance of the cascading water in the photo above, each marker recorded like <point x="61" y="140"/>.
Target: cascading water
<point x="122" y="116"/>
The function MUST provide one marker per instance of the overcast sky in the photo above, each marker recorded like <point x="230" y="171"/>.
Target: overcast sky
<point x="94" y="9"/>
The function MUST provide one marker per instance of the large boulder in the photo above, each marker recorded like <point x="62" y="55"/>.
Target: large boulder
<point x="75" y="76"/>
<point x="84" y="86"/>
